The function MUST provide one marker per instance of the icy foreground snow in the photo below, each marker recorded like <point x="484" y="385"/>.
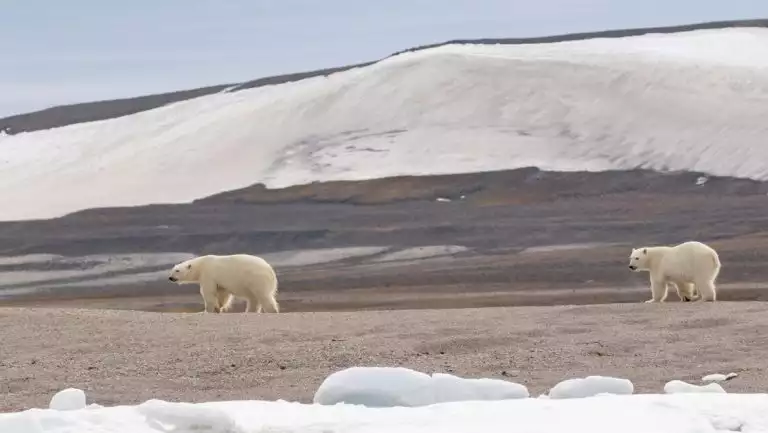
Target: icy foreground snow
<point x="688" y="101"/>
<point x="679" y="413"/>
<point x="438" y="404"/>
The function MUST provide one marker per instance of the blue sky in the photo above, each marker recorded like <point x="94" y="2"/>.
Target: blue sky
<point x="57" y="52"/>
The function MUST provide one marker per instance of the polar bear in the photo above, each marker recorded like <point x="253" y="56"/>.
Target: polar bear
<point x="691" y="267"/>
<point x="222" y="277"/>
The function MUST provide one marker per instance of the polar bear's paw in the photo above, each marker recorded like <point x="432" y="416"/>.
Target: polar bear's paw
<point x="691" y="298"/>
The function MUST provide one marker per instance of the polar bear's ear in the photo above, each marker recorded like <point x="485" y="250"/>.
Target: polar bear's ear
<point x="645" y="251"/>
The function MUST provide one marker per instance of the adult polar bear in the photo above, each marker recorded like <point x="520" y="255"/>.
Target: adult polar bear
<point x="222" y="277"/>
<point x="685" y="265"/>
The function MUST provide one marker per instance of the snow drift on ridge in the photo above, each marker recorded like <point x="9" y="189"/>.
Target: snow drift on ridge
<point x="687" y="101"/>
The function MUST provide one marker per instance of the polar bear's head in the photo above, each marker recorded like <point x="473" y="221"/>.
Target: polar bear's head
<point x="638" y="260"/>
<point x="184" y="272"/>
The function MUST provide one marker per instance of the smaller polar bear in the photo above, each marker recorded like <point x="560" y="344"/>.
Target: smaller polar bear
<point x="691" y="266"/>
<point x="222" y="277"/>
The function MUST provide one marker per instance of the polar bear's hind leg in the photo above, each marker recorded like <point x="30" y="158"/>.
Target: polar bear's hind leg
<point x="252" y="305"/>
<point x="270" y="304"/>
<point x="706" y="289"/>
<point x="686" y="291"/>
<point x="224" y="299"/>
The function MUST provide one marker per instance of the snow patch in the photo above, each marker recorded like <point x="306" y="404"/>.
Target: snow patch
<point x="564" y="247"/>
<point x="28" y="258"/>
<point x="318" y="256"/>
<point x="424" y="252"/>
<point x="9" y="293"/>
<point x="84" y="266"/>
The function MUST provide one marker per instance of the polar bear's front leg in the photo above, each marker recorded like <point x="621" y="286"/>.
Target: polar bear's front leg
<point x="677" y="289"/>
<point x="658" y="291"/>
<point x="208" y="292"/>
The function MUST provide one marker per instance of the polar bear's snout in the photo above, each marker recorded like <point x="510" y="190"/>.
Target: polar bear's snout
<point x="633" y="267"/>
<point x="172" y="278"/>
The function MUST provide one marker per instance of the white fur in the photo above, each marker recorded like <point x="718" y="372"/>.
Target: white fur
<point x="222" y="277"/>
<point x="692" y="267"/>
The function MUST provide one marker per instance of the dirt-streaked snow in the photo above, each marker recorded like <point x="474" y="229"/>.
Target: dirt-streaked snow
<point x="688" y="101"/>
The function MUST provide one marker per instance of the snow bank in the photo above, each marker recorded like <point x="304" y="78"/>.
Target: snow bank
<point x="590" y="386"/>
<point x="397" y="386"/>
<point x="582" y="105"/>
<point x="604" y="414"/>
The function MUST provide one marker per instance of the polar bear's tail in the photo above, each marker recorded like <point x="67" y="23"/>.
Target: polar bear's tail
<point x="715" y="264"/>
<point x="272" y="305"/>
<point x="275" y="282"/>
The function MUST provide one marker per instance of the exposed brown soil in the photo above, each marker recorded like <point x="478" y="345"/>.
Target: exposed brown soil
<point x="122" y="357"/>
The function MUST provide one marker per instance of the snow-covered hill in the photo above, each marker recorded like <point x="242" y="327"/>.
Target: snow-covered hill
<point x="687" y="101"/>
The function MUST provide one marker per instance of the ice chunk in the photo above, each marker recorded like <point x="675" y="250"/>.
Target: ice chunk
<point x="448" y="387"/>
<point x="376" y="387"/>
<point x="591" y="386"/>
<point x="68" y="399"/>
<point x="717" y="377"/>
<point x="678" y="386"/>
<point x="397" y="386"/>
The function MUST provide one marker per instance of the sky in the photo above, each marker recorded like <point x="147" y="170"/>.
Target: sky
<point x="59" y="52"/>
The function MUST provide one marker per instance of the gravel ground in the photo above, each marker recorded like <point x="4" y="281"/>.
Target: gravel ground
<point x="124" y="357"/>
